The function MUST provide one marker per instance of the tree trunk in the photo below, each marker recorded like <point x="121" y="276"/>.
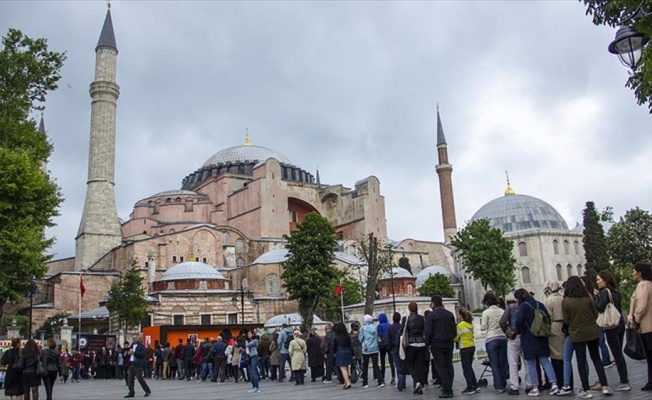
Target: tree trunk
<point x="372" y="275"/>
<point x="307" y="312"/>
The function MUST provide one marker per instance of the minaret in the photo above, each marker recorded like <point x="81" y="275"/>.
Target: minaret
<point x="444" y="170"/>
<point x="99" y="230"/>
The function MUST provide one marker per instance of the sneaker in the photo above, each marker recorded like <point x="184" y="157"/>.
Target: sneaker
<point x="647" y="387"/>
<point x="554" y="390"/>
<point x="393" y="382"/>
<point x="251" y="390"/>
<point x="564" y="391"/>
<point x="381" y="385"/>
<point x="534" y="392"/>
<point x="469" y="391"/>
<point x="583" y="394"/>
<point x="606" y="390"/>
<point x="327" y="381"/>
<point x="499" y="391"/>
<point x="513" y="392"/>
<point x="365" y="386"/>
<point x="622" y="387"/>
<point x="447" y="394"/>
<point x="256" y="390"/>
<point x="609" y="364"/>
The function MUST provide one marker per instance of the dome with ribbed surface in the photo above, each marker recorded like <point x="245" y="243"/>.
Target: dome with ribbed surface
<point x="397" y="272"/>
<point x="518" y="212"/>
<point x="245" y="153"/>
<point x="192" y="270"/>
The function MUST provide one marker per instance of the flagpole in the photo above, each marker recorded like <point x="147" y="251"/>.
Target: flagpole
<point x="342" y="300"/>
<point x="79" y="314"/>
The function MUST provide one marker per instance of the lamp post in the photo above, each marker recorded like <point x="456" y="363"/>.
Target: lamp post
<point x="243" y="291"/>
<point x="32" y="289"/>
<point x="629" y="43"/>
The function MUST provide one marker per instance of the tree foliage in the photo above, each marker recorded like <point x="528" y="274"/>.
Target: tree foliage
<point x="379" y="259"/>
<point x="329" y="307"/>
<point x="486" y="256"/>
<point x="29" y="197"/>
<point x="404" y="263"/>
<point x="595" y="241"/>
<point x="52" y="324"/>
<point x="309" y="272"/>
<point x="438" y="284"/>
<point x="127" y="300"/>
<point x="21" y="320"/>
<point x="613" y="13"/>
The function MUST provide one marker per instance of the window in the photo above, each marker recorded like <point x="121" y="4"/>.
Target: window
<point x="197" y="259"/>
<point x="579" y="270"/>
<point x="203" y="260"/>
<point x="410" y="290"/>
<point x="383" y="292"/>
<point x="240" y="262"/>
<point x="177" y="319"/>
<point x="566" y="247"/>
<point x="205" y="319"/>
<point x="559" y="273"/>
<point x="273" y="284"/>
<point x="245" y="283"/>
<point x="569" y="271"/>
<point x="577" y="247"/>
<point x="232" y="319"/>
<point x="522" y="249"/>
<point x="239" y="246"/>
<point x="294" y="216"/>
<point x="227" y="239"/>
<point x="525" y="275"/>
<point x="147" y="321"/>
<point x="181" y="259"/>
<point x="555" y="246"/>
<point x="188" y="205"/>
<point x="174" y="259"/>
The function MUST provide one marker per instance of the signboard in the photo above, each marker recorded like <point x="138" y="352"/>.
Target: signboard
<point x="89" y="341"/>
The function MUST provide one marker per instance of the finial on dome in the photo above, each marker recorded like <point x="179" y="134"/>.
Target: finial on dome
<point x="509" y="191"/>
<point x="108" y="4"/>
<point x="247" y="141"/>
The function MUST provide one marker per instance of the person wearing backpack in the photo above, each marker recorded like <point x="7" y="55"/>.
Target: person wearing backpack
<point x="580" y="314"/>
<point x="385" y="346"/>
<point x="531" y="324"/>
<point x="283" y="348"/>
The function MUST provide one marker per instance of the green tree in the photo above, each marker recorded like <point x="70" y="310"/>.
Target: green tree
<point x="329" y="307"/>
<point x="612" y="13"/>
<point x="309" y="272"/>
<point x="404" y="263"/>
<point x="29" y="197"/>
<point x="127" y="300"/>
<point x="21" y="320"/>
<point x="52" y="324"/>
<point x="595" y="241"/>
<point x="379" y="258"/>
<point x="486" y="255"/>
<point x="437" y="284"/>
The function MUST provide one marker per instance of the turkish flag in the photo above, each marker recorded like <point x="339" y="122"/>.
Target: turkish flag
<point x="82" y="288"/>
<point x="338" y="290"/>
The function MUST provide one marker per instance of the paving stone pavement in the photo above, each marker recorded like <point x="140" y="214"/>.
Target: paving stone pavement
<point x="169" y="389"/>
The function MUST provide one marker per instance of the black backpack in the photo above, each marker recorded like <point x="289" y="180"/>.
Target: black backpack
<point x="287" y="341"/>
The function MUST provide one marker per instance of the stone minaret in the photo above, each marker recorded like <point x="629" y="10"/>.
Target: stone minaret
<point x="444" y="170"/>
<point x="99" y="230"/>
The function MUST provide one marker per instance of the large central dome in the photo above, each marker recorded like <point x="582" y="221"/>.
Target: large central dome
<point x="245" y="153"/>
<point x="518" y="212"/>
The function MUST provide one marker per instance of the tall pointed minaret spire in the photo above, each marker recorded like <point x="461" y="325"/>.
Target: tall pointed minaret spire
<point x="41" y="124"/>
<point x="444" y="170"/>
<point x="317" y="176"/>
<point x="99" y="230"/>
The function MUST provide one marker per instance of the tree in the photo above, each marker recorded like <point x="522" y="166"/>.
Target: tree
<point x="329" y="306"/>
<point x="21" y="320"/>
<point x="309" y="272"/>
<point x="404" y="263"/>
<point x="127" y="300"/>
<point x="437" y="284"/>
<point x="613" y="13"/>
<point x="29" y="197"/>
<point x="52" y="324"/>
<point x="379" y="259"/>
<point x="594" y="241"/>
<point x="486" y="255"/>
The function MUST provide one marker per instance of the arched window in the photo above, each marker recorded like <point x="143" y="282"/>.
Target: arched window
<point x="383" y="292"/>
<point x="522" y="249"/>
<point x="525" y="275"/>
<point x="273" y="284"/>
<point x="410" y="290"/>
<point x="245" y="283"/>
<point x="579" y="270"/>
<point x="577" y="247"/>
<point x="227" y="239"/>
<point x="239" y="262"/>
<point x="566" y="247"/>
<point x="239" y="246"/>
<point x="410" y="247"/>
<point x="555" y="247"/>
<point x="569" y="271"/>
<point x="559" y="273"/>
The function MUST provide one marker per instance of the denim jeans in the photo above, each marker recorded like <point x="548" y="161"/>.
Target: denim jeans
<point x="604" y="349"/>
<point x="547" y="368"/>
<point x="206" y="370"/>
<point x="466" y="357"/>
<point x="400" y="384"/>
<point x="281" y="371"/>
<point x="497" y="352"/>
<point x="264" y="366"/>
<point x="253" y="372"/>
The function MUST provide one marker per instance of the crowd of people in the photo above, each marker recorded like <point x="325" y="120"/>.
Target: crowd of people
<point x="539" y="338"/>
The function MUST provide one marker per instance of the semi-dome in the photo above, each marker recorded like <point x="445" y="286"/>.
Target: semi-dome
<point x="397" y="272"/>
<point x="518" y="212"/>
<point x="432" y="270"/>
<point x="245" y="153"/>
<point x="192" y="270"/>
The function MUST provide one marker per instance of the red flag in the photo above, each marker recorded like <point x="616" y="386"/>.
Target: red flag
<point x="338" y="290"/>
<point x="82" y="288"/>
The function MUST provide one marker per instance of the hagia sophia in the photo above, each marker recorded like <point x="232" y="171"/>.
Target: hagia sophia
<point x="221" y="231"/>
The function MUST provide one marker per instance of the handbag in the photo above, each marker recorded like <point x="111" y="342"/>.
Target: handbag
<point x="19" y="363"/>
<point x="634" y="346"/>
<point x="40" y="369"/>
<point x="404" y="342"/>
<point x="610" y="317"/>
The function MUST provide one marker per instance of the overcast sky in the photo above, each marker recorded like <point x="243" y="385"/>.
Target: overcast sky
<point x="527" y="87"/>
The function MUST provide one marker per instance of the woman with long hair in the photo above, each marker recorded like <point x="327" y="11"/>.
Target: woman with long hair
<point x="31" y="381"/>
<point x="342" y="352"/>
<point x="52" y="365"/>
<point x="416" y="354"/>
<point x="640" y="312"/>
<point x="496" y="342"/>
<point x="466" y="344"/>
<point x="580" y="314"/>
<point x="13" y="378"/>
<point x="606" y="293"/>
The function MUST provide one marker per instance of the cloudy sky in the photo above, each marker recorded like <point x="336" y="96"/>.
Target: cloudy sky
<point x="527" y="87"/>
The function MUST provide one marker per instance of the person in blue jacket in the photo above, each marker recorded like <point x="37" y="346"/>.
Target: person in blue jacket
<point x="385" y="347"/>
<point x="369" y="340"/>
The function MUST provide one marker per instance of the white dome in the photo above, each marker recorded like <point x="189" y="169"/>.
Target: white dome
<point x="432" y="270"/>
<point x="397" y="272"/>
<point x="290" y="319"/>
<point x="192" y="270"/>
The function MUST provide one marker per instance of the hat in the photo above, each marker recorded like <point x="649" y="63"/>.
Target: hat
<point x="231" y="341"/>
<point x="368" y="318"/>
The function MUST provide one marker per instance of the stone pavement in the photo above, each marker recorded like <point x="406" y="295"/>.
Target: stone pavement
<point x="115" y="389"/>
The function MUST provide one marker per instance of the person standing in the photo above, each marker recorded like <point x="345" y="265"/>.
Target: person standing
<point x="31" y="381"/>
<point x="342" y="352"/>
<point x="178" y="355"/>
<point x="357" y="350"/>
<point x="297" y="351"/>
<point x="167" y="355"/>
<point x="286" y="333"/>
<point x="557" y="339"/>
<point x="137" y="360"/>
<point x="640" y="312"/>
<point x="395" y="332"/>
<point x="188" y="357"/>
<point x="13" y="378"/>
<point x="158" y="361"/>
<point x="369" y="340"/>
<point x="326" y="352"/>
<point x="252" y="350"/>
<point x="496" y="342"/>
<point x="416" y="354"/>
<point x="440" y="332"/>
<point x="274" y="357"/>
<point x="607" y="293"/>
<point x="514" y="351"/>
<point x="315" y="356"/>
<point x="206" y="350"/>
<point x="219" y="360"/>
<point x="466" y="343"/>
<point x="263" y="355"/>
<point x="384" y="347"/>
<point x="125" y="362"/>
<point x="52" y="365"/>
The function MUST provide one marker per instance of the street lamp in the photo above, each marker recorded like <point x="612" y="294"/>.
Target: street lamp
<point x="629" y="43"/>
<point x="243" y="292"/>
<point x="32" y="289"/>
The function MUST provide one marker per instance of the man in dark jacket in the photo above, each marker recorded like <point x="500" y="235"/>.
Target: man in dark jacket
<point x="178" y="354"/>
<point x="137" y="360"/>
<point x="263" y="353"/>
<point x="188" y="356"/>
<point x="395" y="332"/>
<point x="206" y="360"/>
<point x="219" y="359"/>
<point x="440" y="334"/>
